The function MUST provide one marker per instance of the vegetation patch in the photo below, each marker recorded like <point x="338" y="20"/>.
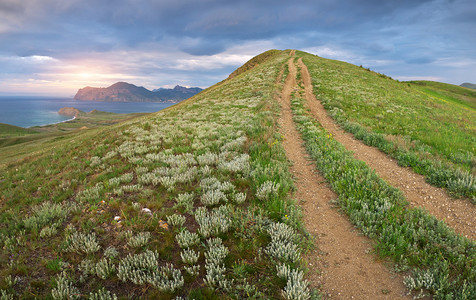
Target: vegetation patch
<point x="432" y="132"/>
<point x="190" y="202"/>
<point x="440" y="262"/>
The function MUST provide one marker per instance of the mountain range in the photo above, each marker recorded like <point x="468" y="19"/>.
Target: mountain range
<point x="126" y="92"/>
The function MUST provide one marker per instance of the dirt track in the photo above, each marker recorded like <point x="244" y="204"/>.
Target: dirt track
<point x="342" y="266"/>
<point x="459" y="214"/>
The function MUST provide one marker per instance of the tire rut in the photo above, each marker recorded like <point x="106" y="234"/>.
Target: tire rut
<point x="458" y="214"/>
<point x="342" y="266"/>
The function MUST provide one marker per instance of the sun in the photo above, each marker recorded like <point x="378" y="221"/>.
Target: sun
<point x="85" y="75"/>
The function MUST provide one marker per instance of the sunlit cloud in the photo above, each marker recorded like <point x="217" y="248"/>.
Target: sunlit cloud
<point x="59" y="46"/>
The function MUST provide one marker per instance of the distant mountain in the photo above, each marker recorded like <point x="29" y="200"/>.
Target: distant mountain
<point x="469" y="85"/>
<point x="177" y="93"/>
<point x="126" y="92"/>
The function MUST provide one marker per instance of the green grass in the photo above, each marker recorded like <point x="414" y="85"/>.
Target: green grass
<point x="255" y="61"/>
<point x="441" y="262"/>
<point x="430" y="127"/>
<point x="7" y="130"/>
<point x="447" y="92"/>
<point x="17" y="142"/>
<point x="207" y="161"/>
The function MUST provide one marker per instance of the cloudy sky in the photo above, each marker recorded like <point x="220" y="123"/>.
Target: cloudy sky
<point x="54" y="47"/>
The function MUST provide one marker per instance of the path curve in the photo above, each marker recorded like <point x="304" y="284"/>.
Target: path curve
<point x="458" y="214"/>
<point x="342" y="267"/>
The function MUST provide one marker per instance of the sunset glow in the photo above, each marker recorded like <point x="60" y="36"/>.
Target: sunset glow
<point x="62" y="46"/>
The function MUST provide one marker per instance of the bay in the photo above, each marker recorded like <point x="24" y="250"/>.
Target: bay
<point x="37" y="111"/>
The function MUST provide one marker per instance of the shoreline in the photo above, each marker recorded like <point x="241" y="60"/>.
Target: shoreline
<point x="64" y="121"/>
<point x="35" y="112"/>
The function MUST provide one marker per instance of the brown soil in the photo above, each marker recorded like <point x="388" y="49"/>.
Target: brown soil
<point x="343" y="266"/>
<point x="459" y="214"/>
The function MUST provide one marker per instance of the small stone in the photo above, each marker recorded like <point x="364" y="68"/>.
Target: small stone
<point x="147" y="211"/>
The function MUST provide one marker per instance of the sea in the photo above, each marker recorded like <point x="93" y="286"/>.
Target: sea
<point x="37" y="111"/>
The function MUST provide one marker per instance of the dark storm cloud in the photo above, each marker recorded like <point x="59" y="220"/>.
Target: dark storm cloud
<point x="375" y="33"/>
<point x="102" y="25"/>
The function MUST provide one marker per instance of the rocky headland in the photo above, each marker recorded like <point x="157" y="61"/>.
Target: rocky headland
<point x="69" y="112"/>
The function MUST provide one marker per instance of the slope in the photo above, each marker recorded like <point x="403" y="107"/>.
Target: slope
<point x="17" y="143"/>
<point x="436" y="137"/>
<point x="341" y="264"/>
<point x="448" y="92"/>
<point x="458" y="214"/>
<point x="442" y="262"/>
<point x="196" y="201"/>
<point x="191" y="201"/>
<point x="7" y="130"/>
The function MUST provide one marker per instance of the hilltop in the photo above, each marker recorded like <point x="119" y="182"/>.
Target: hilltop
<point x="126" y="92"/>
<point x="298" y="177"/>
<point x="469" y="85"/>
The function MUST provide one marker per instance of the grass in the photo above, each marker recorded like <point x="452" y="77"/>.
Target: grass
<point x="193" y="201"/>
<point x="17" y="142"/>
<point x="430" y="127"/>
<point x="7" y="130"/>
<point x="441" y="262"/>
<point x="161" y="206"/>
<point x="255" y="61"/>
<point x="448" y="92"/>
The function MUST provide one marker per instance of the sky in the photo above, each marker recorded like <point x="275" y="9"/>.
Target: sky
<point x="54" y="47"/>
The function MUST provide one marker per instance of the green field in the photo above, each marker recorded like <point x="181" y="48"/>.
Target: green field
<point x="17" y="142"/>
<point x="428" y="126"/>
<point x="441" y="262"/>
<point x="7" y="131"/>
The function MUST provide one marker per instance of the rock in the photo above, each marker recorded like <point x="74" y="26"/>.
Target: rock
<point x="146" y="211"/>
<point x="69" y="111"/>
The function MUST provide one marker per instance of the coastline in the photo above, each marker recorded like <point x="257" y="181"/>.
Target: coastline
<point x="29" y="112"/>
<point x="64" y="121"/>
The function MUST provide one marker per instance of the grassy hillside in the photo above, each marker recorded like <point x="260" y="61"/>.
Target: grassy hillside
<point x="442" y="263"/>
<point x="194" y="201"/>
<point x="190" y="201"/>
<point x="448" y="92"/>
<point x="7" y="130"/>
<point x="255" y="61"/>
<point x="428" y="126"/>
<point x="17" y="142"/>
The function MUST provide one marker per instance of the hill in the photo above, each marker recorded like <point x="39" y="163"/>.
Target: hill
<point x="7" y="130"/>
<point x="17" y="142"/>
<point x="126" y="92"/>
<point x="197" y="201"/>
<point x="449" y="92"/>
<point x="469" y="85"/>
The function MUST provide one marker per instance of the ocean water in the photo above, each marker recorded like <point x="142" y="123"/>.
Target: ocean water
<point x="37" y="111"/>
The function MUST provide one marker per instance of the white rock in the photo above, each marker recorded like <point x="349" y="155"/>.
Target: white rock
<point x="145" y="210"/>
